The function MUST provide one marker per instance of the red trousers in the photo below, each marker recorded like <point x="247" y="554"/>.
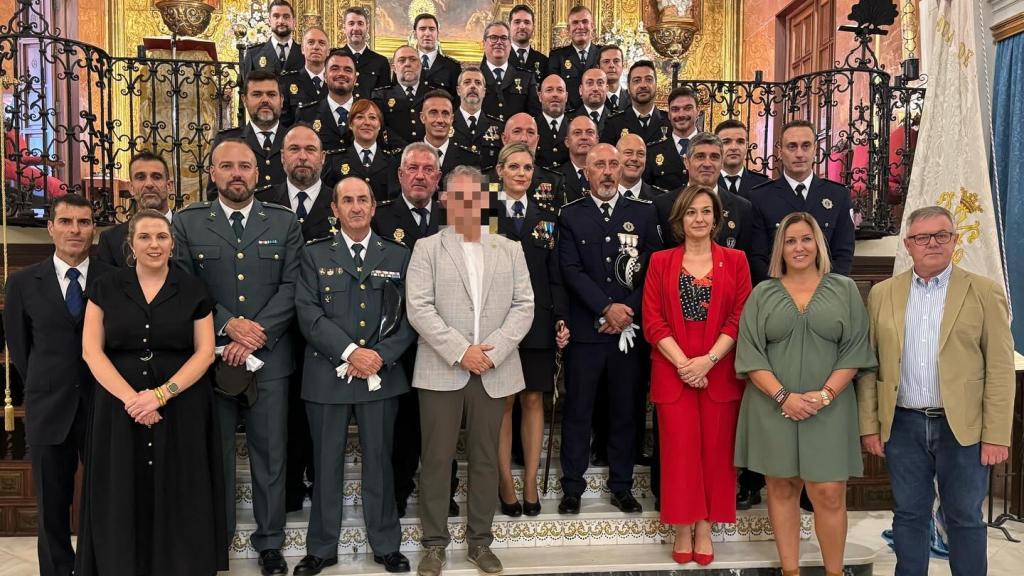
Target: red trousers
<point x="698" y="479"/>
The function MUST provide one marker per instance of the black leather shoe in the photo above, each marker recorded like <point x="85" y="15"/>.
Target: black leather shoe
<point x="531" y="508"/>
<point x="271" y="563"/>
<point x="515" y="509"/>
<point x="393" y="562"/>
<point x="624" y="501"/>
<point x="598" y="459"/>
<point x="747" y="499"/>
<point x="313" y="565"/>
<point x="644" y="460"/>
<point x="453" y="508"/>
<point x="569" y="505"/>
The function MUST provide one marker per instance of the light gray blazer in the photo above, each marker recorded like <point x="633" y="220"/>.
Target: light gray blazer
<point x="441" y="310"/>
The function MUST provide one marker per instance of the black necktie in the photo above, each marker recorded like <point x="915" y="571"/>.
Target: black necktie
<point x="74" y="298"/>
<point x="342" y="116"/>
<point x="614" y="99"/>
<point x="684" y="145"/>
<point x="472" y="124"/>
<point x="522" y="55"/>
<point x="595" y="116"/>
<point x="517" y="213"/>
<point x="583" y="56"/>
<point x="584" y="183"/>
<point x="800" y="190"/>
<point x="367" y="159"/>
<point x="236" y="225"/>
<point x="355" y="56"/>
<point x="318" y="84"/>
<point x="409" y="92"/>
<point x="281" y="54"/>
<point x="606" y="208"/>
<point x="300" y="210"/>
<point x="645" y="121"/>
<point x="498" y="74"/>
<point x="426" y="63"/>
<point x="732" y="183"/>
<point x="357" y="251"/>
<point x="554" y="127"/>
<point x="627" y="193"/>
<point x="268" y="140"/>
<point x="424" y="220"/>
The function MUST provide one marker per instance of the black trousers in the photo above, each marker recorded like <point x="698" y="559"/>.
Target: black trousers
<point x="53" y="472"/>
<point x="299" y="466"/>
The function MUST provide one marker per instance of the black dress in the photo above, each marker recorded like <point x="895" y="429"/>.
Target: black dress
<point x="153" y="496"/>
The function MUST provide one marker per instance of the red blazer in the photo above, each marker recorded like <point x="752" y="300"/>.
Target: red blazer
<point x="663" y="316"/>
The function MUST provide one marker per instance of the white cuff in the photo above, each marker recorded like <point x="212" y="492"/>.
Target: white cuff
<point x="348" y="350"/>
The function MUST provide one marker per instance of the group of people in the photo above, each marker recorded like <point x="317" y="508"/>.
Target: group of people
<point x="416" y="259"/>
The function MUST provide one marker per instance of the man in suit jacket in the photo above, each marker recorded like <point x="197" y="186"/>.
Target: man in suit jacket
<point x="640" y="116"/>
<point x="735" y="176"/>
<point x="610" y="62"/>
<point x="342" y="324"/>
<point x="44" y="306"/>
<point x="438" y="69"/>
<point x="570" y="62"/>
<point x="592" y="91"/>
<point x="373" y="69"/>
<point x="633" y="153"/>
<point x="437" y="117"/>
<point x="580" y="139"/>
<point x="329" y="116"/>
<point x="524" y="57"/>
<point x="940" y="407"/>
<point x="665" y="166"/>
<point x="264" y="133"/>
<point x="280" y="52"/>
<point x="151" y="186"/>
<point x="509" y="90"/>
<point x="468" y="361"/>
<point x="473" y="129"/>
<point x="553" y="124"/>
<point x="308" y="84"/>
<point x="247" y="253"/>
<point x="401" y="102"/>
<point x="800" y="190"/>
<point x="599" y="233"/>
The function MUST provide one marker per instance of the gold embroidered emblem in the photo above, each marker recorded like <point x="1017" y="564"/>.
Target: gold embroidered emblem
<point x="628" y="226"/>
<point x="316" y="125"/>
<point x="391" y="102"/>
<point x="399" y="234"/>
<point x="568" y="64"/>
<point x="293" y="89"/>
<point x="659" y="159"/>
<point x="263" y="61"/>
<point x="345" y="168"/>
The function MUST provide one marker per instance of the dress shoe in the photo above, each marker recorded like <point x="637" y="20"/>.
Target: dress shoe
<point x="625" y="502"/>
<point x="644" y="460"/>
<point x="598" y="459"/>
<point x="531" y="508"/>
<point x="682" y="557"/>
<point x="453" y="508"/>
<point x="484" y="559"/>
<point x="569" y="505"/>
<point x="313" y="565"/>
<point x="271" y="562"/>
<point x="747" y="499"/>
<point x="401" y="505"/>
<point x="514" y="510"/>
<point x="432" y="562"/>
<point x="703" y="559"/>
<point x="393" y="562"/>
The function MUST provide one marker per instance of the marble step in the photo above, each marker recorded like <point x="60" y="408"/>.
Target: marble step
<point x="731" y="559"/>
<point x="596" y="478"/>
<point x="598" y="524"/>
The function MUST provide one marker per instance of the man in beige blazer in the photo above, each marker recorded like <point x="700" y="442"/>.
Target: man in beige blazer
<point x="940" y="406"/>
<point x="470" y="300"/>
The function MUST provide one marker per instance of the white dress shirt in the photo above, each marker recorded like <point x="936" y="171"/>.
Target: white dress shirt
<point x="509" y="201"/>
<point x="431" y="57"/>
<point x="323" y="82"/>
<point x="228" y="211"/>
<point x="334" y="106"/>
<point x="739" y="180"/>
<point x="259" y="132"/>
<point x="372" y="149"/>
<point x="503" y="68"/>
<point x="598" y="201"/>
<point x="412" y="208"/>
<point x="793" y="183"/>
<point x="62" y="268"/>
<point x="679" y="139"/>
<point x="558" y="121"/>
<point x="312" y="192"/>
<point x="635" y="189"/>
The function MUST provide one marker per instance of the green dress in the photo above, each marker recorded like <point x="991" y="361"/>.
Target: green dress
<point x="802" y="350"/>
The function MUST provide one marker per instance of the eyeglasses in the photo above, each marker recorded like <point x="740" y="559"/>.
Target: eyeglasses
<point x="493" y="39"/>
<point x="924" y="239"/>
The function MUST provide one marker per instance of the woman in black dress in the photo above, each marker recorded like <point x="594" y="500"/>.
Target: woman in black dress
<point x="153" y="486"/>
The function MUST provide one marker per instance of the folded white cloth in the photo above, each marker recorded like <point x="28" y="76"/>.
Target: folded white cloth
<point x="626" y="338"/>
<point x="252" y="363"/>
<point x="372" y="383"/>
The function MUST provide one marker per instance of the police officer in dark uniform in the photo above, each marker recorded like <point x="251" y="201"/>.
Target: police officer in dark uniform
<point x="436" y="116"/>
<point x="474" y="130"/>
<point x="372" y="69"/>
<point x="581" y="137"/>
<point x="524" y="57"/>
<point x="279" y="52"/>
<point x="329" y="116"/>
<point x="640" y="116"/>
<point x="603" y="245"/>
<point x="735" y="176"/>
<point x="593" y="90"/>
<point x="401" y="102"/>
<point x="552" y="123"/>
<point x="547" y="186"/>
<point x="308" y="84"/>
<point x="509" y="90"/>
<point x="580" y="55"/>
<point x="665" y="167"/>
<point x="366" y="156"/>
<point x="438" y="69"/>
<point x="264" y="133"/>
<point x="800" y="190"/>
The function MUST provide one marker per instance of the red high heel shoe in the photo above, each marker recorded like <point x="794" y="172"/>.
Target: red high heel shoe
<point x="703" y="559"/>
<point x="682" y="557"/>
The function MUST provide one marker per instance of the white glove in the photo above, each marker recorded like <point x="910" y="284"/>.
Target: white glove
<point x="626" y="338"/>
<point x="372" y="383"/>
<point x="252" y="363"/>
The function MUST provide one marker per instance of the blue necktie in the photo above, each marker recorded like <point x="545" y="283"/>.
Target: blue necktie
<point x="300" y="210"/>
<point x="74" y="298"/>
<point x="518" y="216"/>
<point x="342" y="117"/>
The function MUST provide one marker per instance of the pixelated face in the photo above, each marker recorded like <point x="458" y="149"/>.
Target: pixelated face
<point x="353" y="206"/>
<point x="939" y="241"/>
<point x="516" y="173"/>
<point x="365" y="126"/>
<point x="593" y="88"/>
<point x="150" y="185"/>
<point x="796" y="149"/>
<point x="553" y="95"/>
<point x="497" y="43"/>
<point x="355" y="29"/>
<point x="315" y="46"/>
<point x="799" y="250"/>
<point x="234" y="171"/>
<point x="72" y="229"/>
<point x="682" y="113"/>
<point x="341" y="74"/>
<point x="699" y="218"/>
<point x="633" y="153"/>
<point x="263" y="101"/>
<point x="419" y="176"/>
<point x="581" y="28"/>
<point x="521" y="128"/>
<point x="302" y="157"/>
<point x="152" y="242"/>
<point x="436" y="115"/>
<point x="734" y="147"/>
<point x="426" y="34"/>
<point x="603" y="171"/>
<point x="581" y="135"/>
<point x="704" y="164"/>
<point x="611" y="64"/>
<point x="282" y="22"/>
<point x="522" y="27"/>
<point x="643" y="83"/>
<point x="466" y="198"/>
<point x="407" y="65"/>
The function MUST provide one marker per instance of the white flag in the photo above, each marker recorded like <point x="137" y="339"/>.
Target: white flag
<point x="950" y="166"/>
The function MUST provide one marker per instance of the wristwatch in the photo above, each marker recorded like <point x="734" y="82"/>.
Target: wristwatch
<point x="172" y="388"/>
<point x="713" y="357"/>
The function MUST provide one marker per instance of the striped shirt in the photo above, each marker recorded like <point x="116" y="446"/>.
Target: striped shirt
<point x="919" y="370"/>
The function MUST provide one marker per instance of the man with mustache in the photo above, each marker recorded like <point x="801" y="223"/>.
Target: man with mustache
<point x="599" y="233"/>
<point x="552" y="124"/>
<point x="264" y="133"/>
<point x="247" y="253"/>
<point x="639" y="116"/>
<point x="580" y="139"/>
<point x="593" y="93"/>
<point x="308" y="84"/>
<point x="329" y="117"/>
<point x="401" y="102"/>
<point x="372" y="69"/>
<point x="665" y="167"/>
<point x="279" y="52"/>
<point x="520" y="20"/>
<point x="478" y="132"/>
<point x="437" y="119"/>
<point x="151" y="187"/>
<point x="438" y="69"/>
<point x="547" y="185"/>
<point x="509" y="90"/>
<point x="569" y="62"/>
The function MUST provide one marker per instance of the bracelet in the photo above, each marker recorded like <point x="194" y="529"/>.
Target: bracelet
<point x="159" y="397"/>
<point x="780" y="396"/>
<point x="713" y="357"/>
<point x="830" y="391"/>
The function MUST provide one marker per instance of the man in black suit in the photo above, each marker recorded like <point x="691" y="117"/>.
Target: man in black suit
<point x="580" y="139"/>
<point x="474" y="130"/>
<point x="735" y="176"/>
<point x="665" y="167"/>
<point x="520" y="20"/>
<point x="593" y="93"/>
<point x="44" y="306"/>
<point x="264" y="132"/>
<point x="401" y="102"/>
<point x="329" y="116"/>
<point x="438" y="69"/>
<point x="553" y="123"/>
<point x="640" y="116"/>
<point x="437" y="119"/>
<point x="610" y="62"/>
<point x="509" y="90"/>
<point x="374" y="70"/>
<point x="308" y="84"/>
<point x="279" y="52"/>
<point x="800" y="190"/>
<point x="633" y="153"/>
<point x="581" y="55"/>
<point x="151" y="186"/>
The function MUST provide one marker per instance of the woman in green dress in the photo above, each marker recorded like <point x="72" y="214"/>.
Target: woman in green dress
<point x="803" y="337"/>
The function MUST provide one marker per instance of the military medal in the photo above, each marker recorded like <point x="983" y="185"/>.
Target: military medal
<point x="399" y="235"/>
<point x="624" y="132"/>
<point x="628" y="226"/>
<point x="659" y="159"/>
<point x="293" y="89"/>
<point x="263" y="61"/>
<point x="316" y="125"/>
<point x="568" y="64"/>
<point x="345" y="168"/>
<point x="519" y="86"/>
<point x="827" y="204"/>
<point x="334" y="224"/>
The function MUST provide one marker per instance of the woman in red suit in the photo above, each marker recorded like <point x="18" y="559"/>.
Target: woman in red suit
<point x="693" y="297"/>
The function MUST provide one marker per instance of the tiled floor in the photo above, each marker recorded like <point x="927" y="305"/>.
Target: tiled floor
<point x="18" y="555"/>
